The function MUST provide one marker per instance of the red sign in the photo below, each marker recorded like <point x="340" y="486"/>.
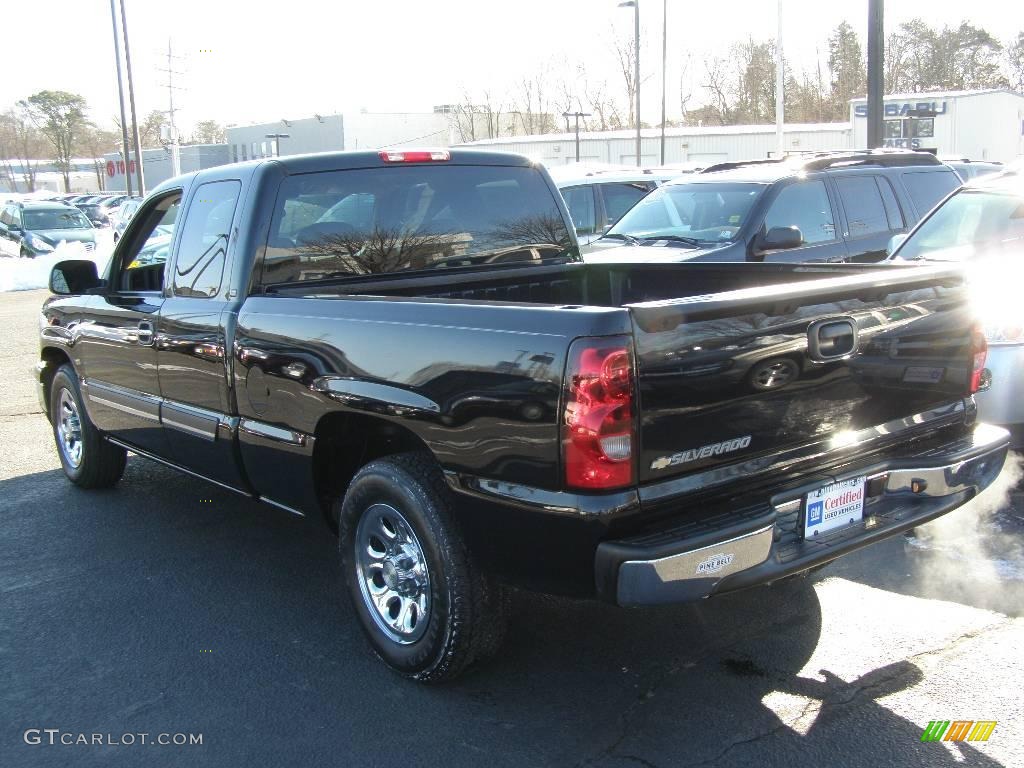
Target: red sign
<point x="117" y="168"/>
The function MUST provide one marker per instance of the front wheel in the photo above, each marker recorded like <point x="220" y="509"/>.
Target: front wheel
<point x="87" y="459"/>
<point x="426" y="608"/>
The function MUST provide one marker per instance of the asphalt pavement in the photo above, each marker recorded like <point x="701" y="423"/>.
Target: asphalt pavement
<point x="169" y="606"/>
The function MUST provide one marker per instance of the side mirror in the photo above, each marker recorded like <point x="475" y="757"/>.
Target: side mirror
<point x="780" y="238"/>
<point x="895" y="242"/>
<point x="74" y="276"/>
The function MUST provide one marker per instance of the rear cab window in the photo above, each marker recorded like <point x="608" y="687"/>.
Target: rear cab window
<point x="375" y="221"/>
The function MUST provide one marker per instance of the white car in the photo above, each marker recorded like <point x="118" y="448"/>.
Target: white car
<point x="598" y="197"/>
<point x="982" y="223"/>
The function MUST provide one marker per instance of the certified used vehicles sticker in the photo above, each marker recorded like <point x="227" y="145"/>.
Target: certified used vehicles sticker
<point x="704" y="452"/>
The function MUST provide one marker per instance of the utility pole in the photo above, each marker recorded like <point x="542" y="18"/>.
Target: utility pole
<point x="876" y="82"/>
<point x="635" y="5"/>
<point x="577" y="115"/>
<point x="173" y="129"/>
<point x="780" y="93"/>
<point x="664" y="71"/>
<point x="139" y="173"/>
<point x="120" y="100"/>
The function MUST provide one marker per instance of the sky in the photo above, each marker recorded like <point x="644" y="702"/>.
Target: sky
<point x="256" y="61"/>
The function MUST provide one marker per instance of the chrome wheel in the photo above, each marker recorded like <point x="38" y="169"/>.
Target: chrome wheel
<point x="69" y="430"/>
<point x="392" y="573"/>
<point x="774" y="374"/>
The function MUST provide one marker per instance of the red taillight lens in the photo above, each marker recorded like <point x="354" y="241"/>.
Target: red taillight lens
<point x="598" y="433"/>
<point x="414" y="156"/>
<point x="979" y="348"/>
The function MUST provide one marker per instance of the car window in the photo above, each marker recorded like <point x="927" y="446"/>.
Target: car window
<point x="971" y="224"/>
<point x="5" y="216"/>
<point x="202" y="247"/>
<point x="926" y="188"/>
<point x="580" y="202"/>
<point x="619" y="197"/>
<point x="140" y="263"/>
<point x="55" y="218"/>
<point x="710" y="212"/>
<point x="865" y="211"/>
<point x="355" y="210"/>
<point x="805" y="205"/>
<point x="423" y="217"/>
<point x="892" y="207"/>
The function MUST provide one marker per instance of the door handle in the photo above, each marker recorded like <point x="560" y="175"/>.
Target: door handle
<point x="145" y="334"/>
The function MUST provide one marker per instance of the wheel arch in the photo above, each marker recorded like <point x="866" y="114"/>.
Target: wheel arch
<point x="50" y="359"/>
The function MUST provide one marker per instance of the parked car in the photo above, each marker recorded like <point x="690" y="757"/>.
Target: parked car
<point x="467" y="423"/>
<point x="841" y="206"/>
<point x="32" y="229"/>
<point x="982" y="225"/>
<point x="969" y="170"/>
<point x="119" y="219"/>
<point x="597" y="198"/>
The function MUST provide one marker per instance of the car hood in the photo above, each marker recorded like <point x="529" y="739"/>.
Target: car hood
<point x="637" y="254"/>
<point x="54" y="236"/>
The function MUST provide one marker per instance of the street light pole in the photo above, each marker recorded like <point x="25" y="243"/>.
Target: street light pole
<point x="876" y="81"/>
<point x="120" y="100"/>
<point x="664" y="70"/>
<point x="635" y="5"/>
<point x="139" y="171"/>
<point x="577" y="115"/>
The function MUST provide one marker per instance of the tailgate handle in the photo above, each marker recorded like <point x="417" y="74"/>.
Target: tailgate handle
<point x="832" y="339"/>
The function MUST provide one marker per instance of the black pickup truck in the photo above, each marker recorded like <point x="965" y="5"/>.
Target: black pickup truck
<point x="408" y="344"/>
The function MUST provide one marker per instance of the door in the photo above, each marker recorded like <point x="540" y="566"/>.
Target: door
<point x="191" y="357"/>
<point x="807" y="206"/>
<point x="871" y="215"/>
<point x="10" y="234"/>
<point x="115" y="347"/>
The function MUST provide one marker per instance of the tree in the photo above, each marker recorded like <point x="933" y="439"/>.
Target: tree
<point x="149" y="129"/>
<point x="60" y="116"/>
<point x="208" y="132"/>
<point x="922" y="58"/>
<point x="22" y="143"/>
<point x="97" y="142"/>
<point x="846" y="69"/>
<point x="1015" y="62"/>
<point x="625" y="55"/>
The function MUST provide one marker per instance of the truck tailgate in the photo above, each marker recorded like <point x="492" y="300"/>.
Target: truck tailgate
<point x="756" y="373"/>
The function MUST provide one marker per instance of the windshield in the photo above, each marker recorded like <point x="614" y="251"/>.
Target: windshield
<point x="972" y="223"/>
<point x="385" y="220"/>
<point x="56" y="218"/>
<point x="711" y="212"/>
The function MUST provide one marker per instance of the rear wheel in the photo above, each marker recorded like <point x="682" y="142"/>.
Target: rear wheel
<point x="87" y="459"/>
<point x="425" y="606"/>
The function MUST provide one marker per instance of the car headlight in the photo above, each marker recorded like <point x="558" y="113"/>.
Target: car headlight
<point x="1005" y="334"/>
<point x="38" y="243"/>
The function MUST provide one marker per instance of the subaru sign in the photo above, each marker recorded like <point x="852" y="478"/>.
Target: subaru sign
<point x="906" y="109"/>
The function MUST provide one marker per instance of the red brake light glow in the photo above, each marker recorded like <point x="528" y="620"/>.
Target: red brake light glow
<point x="414" y="156"/>
<point x="598" y="432"/>
<point x="979" y="347"/>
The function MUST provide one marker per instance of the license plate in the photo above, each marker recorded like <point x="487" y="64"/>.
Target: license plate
<point x="833" y="506"/>
<point x="917" y="374"/>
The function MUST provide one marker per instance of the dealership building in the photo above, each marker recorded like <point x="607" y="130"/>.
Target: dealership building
<point x="980" y="125"/>
<point x="157" y="164"/>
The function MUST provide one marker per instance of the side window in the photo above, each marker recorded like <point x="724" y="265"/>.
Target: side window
<point x="892" y="208"/>
<point x="5" y="216"/>
<point x="865" y="211"/>
<point x="804" y="204"/>
<point x="140" y="262"/>
<point x="204" y="239"/>
<point x="580" y="202"/>
<point x="620" y="197"/>
<point x="926" y="188"/>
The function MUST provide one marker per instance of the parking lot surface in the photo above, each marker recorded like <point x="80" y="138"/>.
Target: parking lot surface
<point x="169" y="606"/>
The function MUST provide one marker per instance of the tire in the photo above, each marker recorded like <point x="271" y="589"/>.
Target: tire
<point x="88" y="460"/>
<point x="426" y="608"/>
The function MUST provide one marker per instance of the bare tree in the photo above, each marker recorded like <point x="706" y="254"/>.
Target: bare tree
<point x="625" y="55"/>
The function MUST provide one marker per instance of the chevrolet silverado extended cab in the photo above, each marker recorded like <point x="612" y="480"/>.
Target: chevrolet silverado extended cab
<point x="408" y="344"/>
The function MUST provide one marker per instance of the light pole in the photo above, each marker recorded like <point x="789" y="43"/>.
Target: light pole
<point x="876" y="80"/>
<point x="577" y="115"/>
<point x="664" y="71"/>
<point x="277" y="141"/>
<point x="635" y="5"/>
<point x="120" y="99"/>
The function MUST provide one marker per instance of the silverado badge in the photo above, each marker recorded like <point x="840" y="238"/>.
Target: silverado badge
<point x="705" y="452"/>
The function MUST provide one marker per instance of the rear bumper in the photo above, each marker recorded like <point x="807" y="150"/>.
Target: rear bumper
<point x="763" y="543"/>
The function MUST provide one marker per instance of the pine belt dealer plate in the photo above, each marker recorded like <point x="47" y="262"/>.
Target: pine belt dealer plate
<point x="833" y="506"/>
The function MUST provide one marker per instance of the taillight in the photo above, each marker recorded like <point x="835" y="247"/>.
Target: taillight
<point x="979" y="350"/>
<point x="414" y="156"/>
<point x="598" y="434"/>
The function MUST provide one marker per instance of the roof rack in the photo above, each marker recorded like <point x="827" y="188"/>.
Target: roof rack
<point x="810" y="160"/>
<point x="728" y="166"/>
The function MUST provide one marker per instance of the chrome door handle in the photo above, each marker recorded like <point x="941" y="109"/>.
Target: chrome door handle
<point x="145" y="333"/>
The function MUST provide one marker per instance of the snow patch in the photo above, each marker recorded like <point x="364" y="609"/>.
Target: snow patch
<point x="29" y="274"/>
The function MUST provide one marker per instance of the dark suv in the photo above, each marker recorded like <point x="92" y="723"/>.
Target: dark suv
<point x="31" y="229"/>
<point x="837" y="206"/>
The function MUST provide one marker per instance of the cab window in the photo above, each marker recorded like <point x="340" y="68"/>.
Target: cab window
<point x="203" y="244"/>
